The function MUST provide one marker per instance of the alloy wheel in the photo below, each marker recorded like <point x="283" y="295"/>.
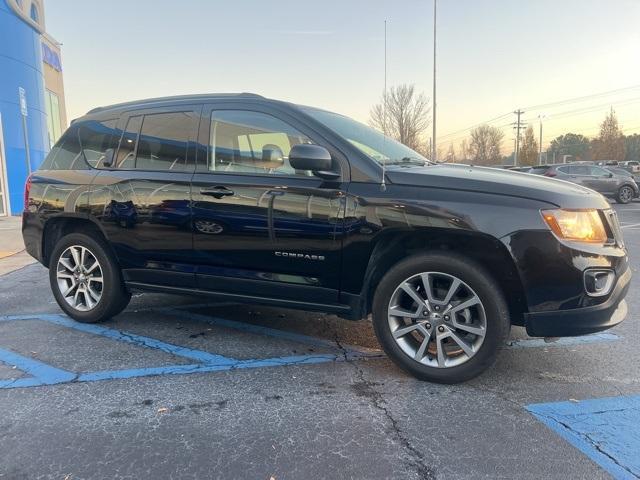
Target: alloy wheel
<point x="437" y="319"/>
<point x="626" y="194"/>
<point x="80" y="279"/>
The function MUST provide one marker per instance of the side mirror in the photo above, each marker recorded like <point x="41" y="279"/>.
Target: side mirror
<point x="314" y="158"/>
<point x="108" y="157"/>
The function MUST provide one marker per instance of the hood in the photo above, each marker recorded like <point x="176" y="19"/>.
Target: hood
<point x="498" y="182"/>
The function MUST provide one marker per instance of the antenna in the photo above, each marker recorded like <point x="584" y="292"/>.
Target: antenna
<point x="383" y="185"/>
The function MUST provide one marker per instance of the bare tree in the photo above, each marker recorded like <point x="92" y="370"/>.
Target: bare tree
<point x="610" y="143"/>
<point x="464" y="151"/>
<point x="484" y="147"/>
<point x="403" y="115"/>
<point x="451" y="154"/>
<point x="529" y="149"/>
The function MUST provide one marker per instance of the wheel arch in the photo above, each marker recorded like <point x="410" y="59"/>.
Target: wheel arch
<point x="57" y="227"/>
<point x="487" y="251"/>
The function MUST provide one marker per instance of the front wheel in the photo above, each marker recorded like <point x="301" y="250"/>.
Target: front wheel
<point x="625" y="194"/>
<point x="440" y="317"/>
<point x="86" y="280"/>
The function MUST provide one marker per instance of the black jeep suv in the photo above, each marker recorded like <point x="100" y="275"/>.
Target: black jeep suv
<point x="261" y="201"/>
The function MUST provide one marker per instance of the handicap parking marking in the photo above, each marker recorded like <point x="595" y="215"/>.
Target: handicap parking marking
<point x="607" y="430"/>
<point x="40" y="374"/>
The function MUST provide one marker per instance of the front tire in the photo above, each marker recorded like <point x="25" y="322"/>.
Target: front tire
<point x="85" y="279"/>
<point x="441" y="318"/>
<point x="625" y="194"/>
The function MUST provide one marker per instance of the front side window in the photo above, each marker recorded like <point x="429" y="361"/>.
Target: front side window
<point x="252" y="142"/>
<point x="599" y="172"/>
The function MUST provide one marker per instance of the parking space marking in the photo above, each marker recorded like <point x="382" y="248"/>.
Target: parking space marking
<point x="39" y="373"/>
<point x="604" y="429"/>
<point x="43" y="374"/>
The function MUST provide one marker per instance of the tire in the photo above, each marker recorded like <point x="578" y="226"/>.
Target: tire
<point x="625" y="194"/>
<point x="489" y="317"/>
<point x="91" y="300"/>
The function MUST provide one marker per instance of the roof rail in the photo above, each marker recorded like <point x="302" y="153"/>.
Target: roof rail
<point x="174" y="97"/>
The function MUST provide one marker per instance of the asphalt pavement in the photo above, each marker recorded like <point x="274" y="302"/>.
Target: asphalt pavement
<point x="179" y="387"/>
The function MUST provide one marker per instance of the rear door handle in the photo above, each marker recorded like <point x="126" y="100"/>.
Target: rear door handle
<point x="218" y="191"/>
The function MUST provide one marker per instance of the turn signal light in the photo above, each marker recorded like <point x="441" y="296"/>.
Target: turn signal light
<point x="576" y="225"/>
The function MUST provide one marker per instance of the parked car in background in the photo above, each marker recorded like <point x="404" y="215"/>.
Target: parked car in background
<point x="621" y="187"/>
<point x="631" y="166"/>
<point x="603" y="163"/>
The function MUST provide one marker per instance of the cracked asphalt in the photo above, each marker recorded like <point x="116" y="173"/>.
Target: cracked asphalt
<point x="352" y="416"/>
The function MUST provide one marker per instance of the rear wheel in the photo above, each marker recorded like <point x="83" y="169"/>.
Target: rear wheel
<point x="625" y="194"/>
<point x="86" y="280"/>
<point x="440" y="317"/>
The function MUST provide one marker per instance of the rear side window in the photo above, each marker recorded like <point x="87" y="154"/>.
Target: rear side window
<point x="96" y="137"/>
<point x="66" y="154"/>
<point x="157" y="142"/>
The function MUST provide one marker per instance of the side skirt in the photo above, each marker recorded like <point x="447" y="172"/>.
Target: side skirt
<point x="344" y="311"/>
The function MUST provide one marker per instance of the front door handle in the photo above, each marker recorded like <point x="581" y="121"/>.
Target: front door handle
<point x="218" y="191"/>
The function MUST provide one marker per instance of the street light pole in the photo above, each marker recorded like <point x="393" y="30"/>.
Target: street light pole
<point x="433" y="134"/>
<point x="541" y="116"/>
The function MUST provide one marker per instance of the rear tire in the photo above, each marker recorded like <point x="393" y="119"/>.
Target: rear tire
<point x="625" y="194"/>
<point x="85" y="279"/>
<point x="435" y="342"/>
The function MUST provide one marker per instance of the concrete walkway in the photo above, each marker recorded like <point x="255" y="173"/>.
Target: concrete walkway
<point x="12" y="253"/>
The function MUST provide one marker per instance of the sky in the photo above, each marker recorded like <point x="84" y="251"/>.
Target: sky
<point x="493" y="56"/>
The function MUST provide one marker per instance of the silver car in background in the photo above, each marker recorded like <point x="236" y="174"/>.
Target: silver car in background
<point x="622" y="188"/>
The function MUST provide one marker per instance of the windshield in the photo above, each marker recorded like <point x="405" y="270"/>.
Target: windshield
<point x="371" y="142"/>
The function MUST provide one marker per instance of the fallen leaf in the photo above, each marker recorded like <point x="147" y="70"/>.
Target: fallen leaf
<point x="163" y="410"/>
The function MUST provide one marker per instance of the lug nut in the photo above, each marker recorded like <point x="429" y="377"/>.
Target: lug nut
<point x="441" y="329"/>
<point x="437" y="308"/>
<point x="427" y="325"/>
<point x="446" y="318"/>
<point x="425" y="313"/>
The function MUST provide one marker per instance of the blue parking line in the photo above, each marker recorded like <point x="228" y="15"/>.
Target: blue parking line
<point x="204" y="368"/>
<point x="607" y="430"/>
<point x="40" y="373"/>
<point x="139" y="340"/>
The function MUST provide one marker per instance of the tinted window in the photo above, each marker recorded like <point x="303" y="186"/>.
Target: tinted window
<point x="95" y="138"/>
<point x="127" y="150"/>
<point x="66" y="154"/>
<point x="163" y="141"/>
<point x="580" y="170"/>
<point x="252" y="142"/>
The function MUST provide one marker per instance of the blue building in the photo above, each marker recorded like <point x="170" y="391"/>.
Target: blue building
<point x="32" y="114"/>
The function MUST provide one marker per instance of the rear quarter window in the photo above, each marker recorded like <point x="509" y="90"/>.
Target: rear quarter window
<point x="66" y="153"/>
<point x="82" y="146"/>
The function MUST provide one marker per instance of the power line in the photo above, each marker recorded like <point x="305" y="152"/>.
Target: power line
<point x="583" y="98"/>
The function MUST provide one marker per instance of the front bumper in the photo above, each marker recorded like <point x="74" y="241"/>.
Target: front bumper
<point x="582" y="321"/>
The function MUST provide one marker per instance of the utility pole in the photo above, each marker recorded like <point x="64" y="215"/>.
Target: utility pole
<point x="541" y="116"/>
<point x="518" y="125"/>
<point x="433" y="134"/>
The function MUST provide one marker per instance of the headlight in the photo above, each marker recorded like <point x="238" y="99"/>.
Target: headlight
<point x="576" y="225"/>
